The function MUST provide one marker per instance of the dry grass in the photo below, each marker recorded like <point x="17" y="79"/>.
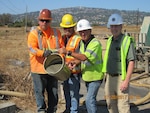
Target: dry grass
<point x="14" y="61"/>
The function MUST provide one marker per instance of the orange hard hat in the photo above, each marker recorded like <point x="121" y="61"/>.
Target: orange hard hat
<point x="45" y="14"/>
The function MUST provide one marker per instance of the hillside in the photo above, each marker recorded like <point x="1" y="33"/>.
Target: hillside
<point x="97" y="16"/>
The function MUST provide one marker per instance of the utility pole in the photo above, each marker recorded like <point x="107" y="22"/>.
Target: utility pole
<point x="26" y="21"/>
<point x="137" y="18"/>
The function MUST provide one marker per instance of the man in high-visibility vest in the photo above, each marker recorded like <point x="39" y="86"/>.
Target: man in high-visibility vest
<point x="71" y="86"/>
<point x="118" y="65"/>
<point x="90" y="58"/>
<point x="42" y="41"/>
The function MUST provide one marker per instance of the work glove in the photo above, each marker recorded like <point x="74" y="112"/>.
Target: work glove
<point x="47" y="53"/>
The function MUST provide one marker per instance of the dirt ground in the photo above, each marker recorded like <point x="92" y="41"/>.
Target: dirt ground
<point x="15" y="68"/>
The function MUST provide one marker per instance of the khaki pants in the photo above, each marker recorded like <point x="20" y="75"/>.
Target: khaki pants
<point x="117" y="101"/>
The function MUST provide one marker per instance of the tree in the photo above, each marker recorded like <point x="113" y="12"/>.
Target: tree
<point x="5" y="19"/>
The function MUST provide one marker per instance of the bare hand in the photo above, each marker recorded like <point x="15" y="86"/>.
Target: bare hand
<point x="71" y="65"/>
<point x="124" y="85"/>
<point x="62" y="50"/>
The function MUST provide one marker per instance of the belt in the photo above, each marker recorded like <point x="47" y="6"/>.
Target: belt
<point x="115" y="74"/>
<point x="72" y="75"/>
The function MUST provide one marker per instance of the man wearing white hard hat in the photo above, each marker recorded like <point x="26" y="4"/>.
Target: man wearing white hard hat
<point x="90" y="58"/>
<point x="118" y="65"/>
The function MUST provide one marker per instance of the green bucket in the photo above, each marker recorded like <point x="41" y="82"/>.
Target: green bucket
<point x="55" y="66"/>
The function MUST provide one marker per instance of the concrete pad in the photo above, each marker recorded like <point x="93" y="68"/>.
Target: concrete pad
<point x="135" y="93"/>
<point x="7" y="107"/>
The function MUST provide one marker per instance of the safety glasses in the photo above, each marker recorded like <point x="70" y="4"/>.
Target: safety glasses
<point x="47" y="21"/>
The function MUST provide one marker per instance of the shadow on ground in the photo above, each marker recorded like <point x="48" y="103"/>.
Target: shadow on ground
<point x="144" y="108"/>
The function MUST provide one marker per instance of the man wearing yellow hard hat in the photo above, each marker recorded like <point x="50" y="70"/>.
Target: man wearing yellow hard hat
<point x="71" y="86"/>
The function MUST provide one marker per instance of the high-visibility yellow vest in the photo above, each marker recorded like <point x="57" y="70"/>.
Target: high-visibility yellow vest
<point x="124" y="50"/>
<point x="92" y="67"/>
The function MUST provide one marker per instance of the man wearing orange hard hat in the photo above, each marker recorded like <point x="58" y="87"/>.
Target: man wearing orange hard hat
<point x="42" y="41"/>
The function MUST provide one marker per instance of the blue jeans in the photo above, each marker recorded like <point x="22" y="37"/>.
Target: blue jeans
<point x="42" y="82"/>
<point x="92" y="90"/>
<point x="71" y="89"/>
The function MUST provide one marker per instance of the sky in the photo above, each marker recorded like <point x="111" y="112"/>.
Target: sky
<point x="23" y="6"/>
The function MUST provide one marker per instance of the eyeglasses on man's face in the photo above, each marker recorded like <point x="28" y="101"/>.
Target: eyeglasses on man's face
<point x="46" y="21"/>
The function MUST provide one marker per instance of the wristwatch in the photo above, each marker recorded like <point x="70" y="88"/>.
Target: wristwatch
<point x="69" y="53"/>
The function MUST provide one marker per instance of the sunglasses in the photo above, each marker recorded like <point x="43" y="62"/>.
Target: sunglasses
<point x="68" y="28"/>
<point x="47" y="21"/>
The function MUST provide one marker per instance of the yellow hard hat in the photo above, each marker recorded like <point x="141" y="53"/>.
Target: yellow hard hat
<point x="67" y="21"/>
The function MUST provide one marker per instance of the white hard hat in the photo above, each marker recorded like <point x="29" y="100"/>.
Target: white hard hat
<point x="114" y="19"/>
<point x="83" y="24"/>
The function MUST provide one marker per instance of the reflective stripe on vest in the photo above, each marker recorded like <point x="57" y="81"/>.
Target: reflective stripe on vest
<point x="72" y="44"/>
<point x="124" y="50"/>
<point x="87" y="63"/>
<point x="56" y="36"/>
<point x="92" y="67"/>
<point x="40" y="41"/>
